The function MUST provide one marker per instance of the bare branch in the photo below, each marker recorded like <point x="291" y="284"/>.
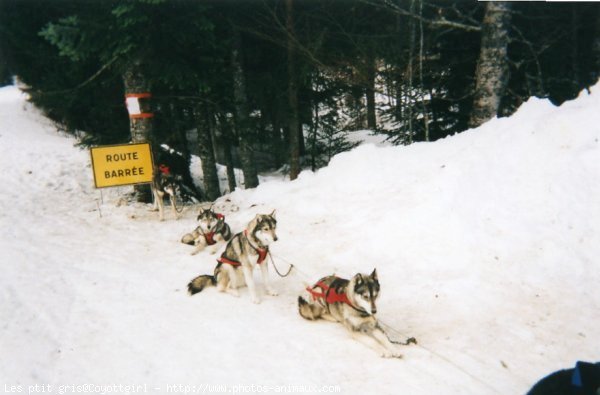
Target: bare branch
<point x="439" y="22"/>
<point x="84" y="83"/>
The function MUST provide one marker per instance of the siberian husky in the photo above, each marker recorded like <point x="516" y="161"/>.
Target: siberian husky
<point x="243" y="252"/>
<point x="164" y="183"/>
<point x="211" y="229"/>
<point x="352" y="303"/>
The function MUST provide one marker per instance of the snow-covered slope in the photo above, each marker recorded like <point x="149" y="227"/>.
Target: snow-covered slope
<point x="486" y="244"/>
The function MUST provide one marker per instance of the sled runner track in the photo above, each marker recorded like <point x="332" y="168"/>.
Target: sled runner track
<point x="306" y="281"/>
<point x="443" y="358"/>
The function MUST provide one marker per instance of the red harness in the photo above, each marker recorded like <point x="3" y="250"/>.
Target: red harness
<point x="329" y="295"/>
<point x="262" y="255"/>
<point x="210" y="236"/>
<point x="228" y="261"/>
<point x="164" y="169"/>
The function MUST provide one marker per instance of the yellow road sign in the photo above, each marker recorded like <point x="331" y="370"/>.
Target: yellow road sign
<point x="125" y="164"/>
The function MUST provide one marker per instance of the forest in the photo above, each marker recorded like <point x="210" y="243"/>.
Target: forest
<point x="280" y="84"/>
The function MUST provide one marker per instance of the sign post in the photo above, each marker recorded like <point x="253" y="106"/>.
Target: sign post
<point x="126" y="164"/>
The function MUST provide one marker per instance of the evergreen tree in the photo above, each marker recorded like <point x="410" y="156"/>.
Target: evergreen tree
<point x="407" y="67"/>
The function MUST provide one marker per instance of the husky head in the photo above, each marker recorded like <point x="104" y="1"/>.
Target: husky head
<point x="207" y="220"/>
<point x="365" y="290"/>
<point x="170" y="184"/>
<point x="263" y="228"/>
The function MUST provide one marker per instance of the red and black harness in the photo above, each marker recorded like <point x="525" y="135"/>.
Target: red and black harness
<point x="164" y="169"/>
<point x="329" y="294"/>
<point x="262" y="255"/>
<point x="210" y="236"/>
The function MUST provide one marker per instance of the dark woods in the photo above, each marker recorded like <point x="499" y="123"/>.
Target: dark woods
<point x="280" y="84"/>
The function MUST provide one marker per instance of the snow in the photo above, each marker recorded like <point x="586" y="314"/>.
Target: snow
<point x="367" y="136"/>
<point x="486" y="244"/>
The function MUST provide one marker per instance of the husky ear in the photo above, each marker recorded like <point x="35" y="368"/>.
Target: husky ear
<point x="258" y="218"/>
<point x="374" y="275"/>
<point x="273" y="214"/>
<point x="358" y="279"/>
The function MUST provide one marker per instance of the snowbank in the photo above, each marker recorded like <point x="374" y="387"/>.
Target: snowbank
<point x="486" y="244"/>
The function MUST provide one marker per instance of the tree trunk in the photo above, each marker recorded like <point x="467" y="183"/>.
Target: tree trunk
<point x="370" y="93"/>
<point x="427" y="137"/>
<point x="314" y="132"/>
<point x="596" y="48"/>
<point x="135" y="83"/>
<point x="242" y="113"/>
<point x="5" y="62"/>
<point x="293" y="117"/>
<point x="576" y="76"/>
<point x="206" y="152"/>
<point x="231" y="181"/>
<point x="398" y="75"/>
<point x="227" y="142"/>
<point x="277" y="138"/>
<point x="177" y="114"/>
<point x="492" y="66"/>
<point x="301" y="142"/>
<point x="409" y="73"/>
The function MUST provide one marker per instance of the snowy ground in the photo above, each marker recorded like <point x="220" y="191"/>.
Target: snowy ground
<point x="486" y="245"/>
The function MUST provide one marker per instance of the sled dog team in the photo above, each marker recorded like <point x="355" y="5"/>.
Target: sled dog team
<point x="350" y="302"/>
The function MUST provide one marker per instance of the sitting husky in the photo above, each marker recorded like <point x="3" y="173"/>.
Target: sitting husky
<point x="164" y="183"/>
<point x="211" y="229"/>
<point x="235" y="266"/>
<point x="351" y="302"/>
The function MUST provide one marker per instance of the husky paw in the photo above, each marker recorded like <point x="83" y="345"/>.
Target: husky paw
<point x="256" y="300"/>
<point x="272" y="292"/>
<point x="233" y="292"/>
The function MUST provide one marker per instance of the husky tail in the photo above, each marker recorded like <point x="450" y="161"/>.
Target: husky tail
<point x="308" y="310"/>
<point x="201" y="282"/>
